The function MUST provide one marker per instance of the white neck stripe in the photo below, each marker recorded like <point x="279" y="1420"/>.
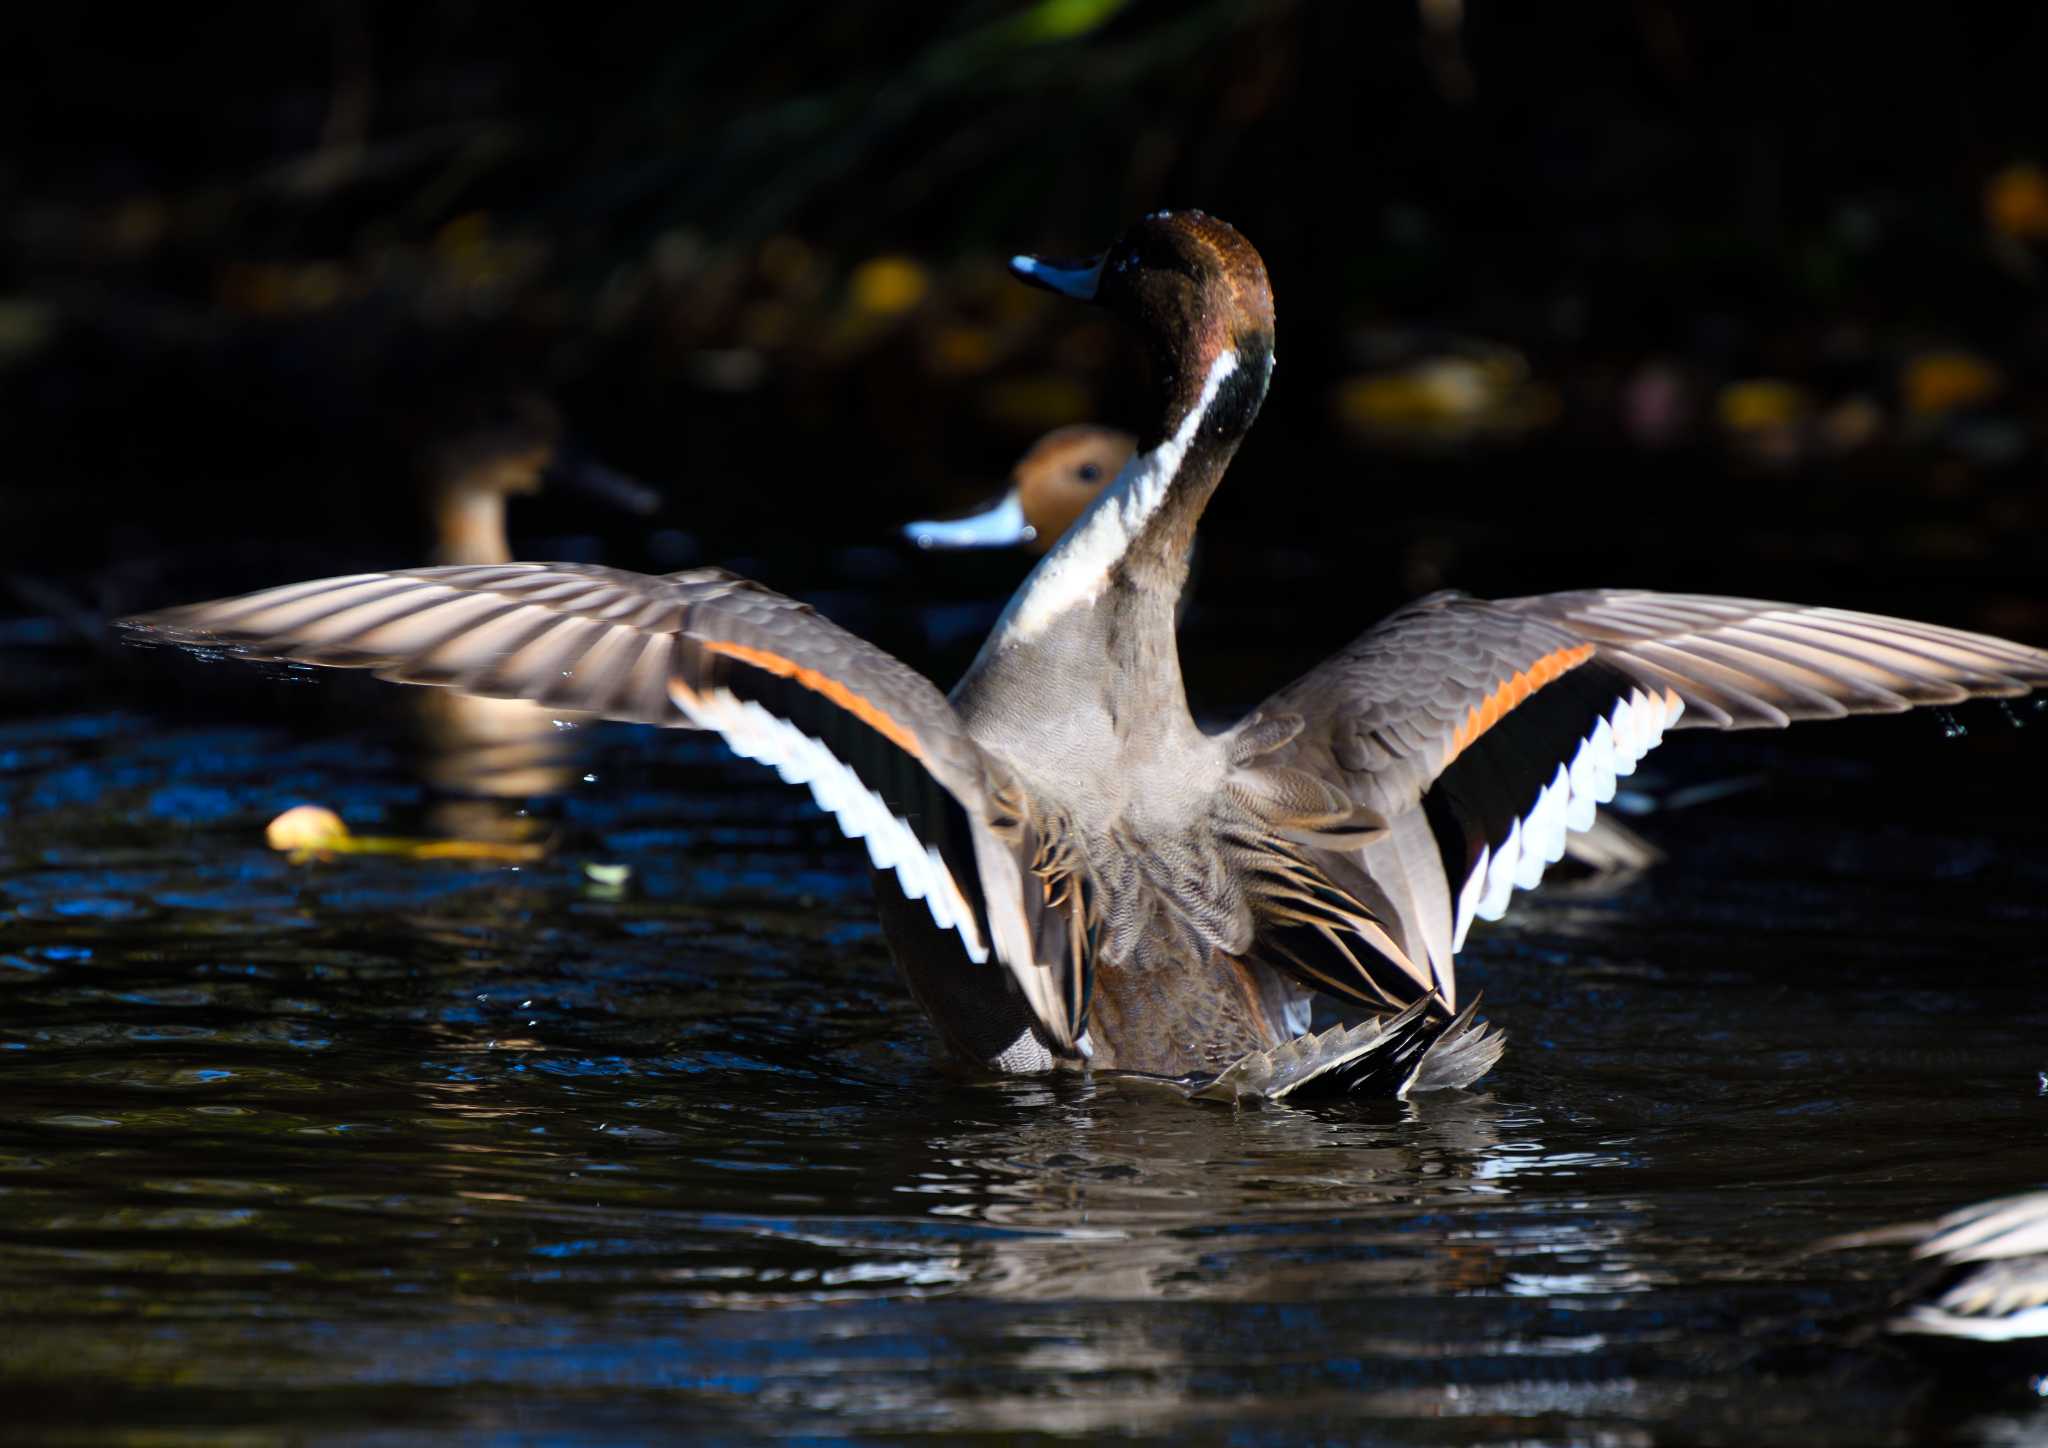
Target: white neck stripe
<point x="1077" y="569"/>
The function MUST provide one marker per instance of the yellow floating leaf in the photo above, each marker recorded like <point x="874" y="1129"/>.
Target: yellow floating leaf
<point x="491" y="851"/>
<point x="306" y="827"/>
<point x="309" y="830"/>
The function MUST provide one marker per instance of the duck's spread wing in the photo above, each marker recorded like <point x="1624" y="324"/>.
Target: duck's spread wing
<point x="879" y="746"/>
<point x="1743" y="663"/>
<point x="1484" y="732"/>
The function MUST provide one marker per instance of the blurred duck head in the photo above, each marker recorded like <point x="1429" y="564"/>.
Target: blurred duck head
<point x="481" y="454"/>
<point x="1051" y="486"/>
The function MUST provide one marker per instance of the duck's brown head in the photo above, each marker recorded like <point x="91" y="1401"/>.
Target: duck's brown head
<point x="1195" y="290"/>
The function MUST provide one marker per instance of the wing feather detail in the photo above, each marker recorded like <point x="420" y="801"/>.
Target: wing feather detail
<point x="1506" y="724"/>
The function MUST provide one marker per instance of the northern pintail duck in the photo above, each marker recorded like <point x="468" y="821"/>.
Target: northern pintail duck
<point x="1069" y="870"/>
<point x="1989" y="1270"/>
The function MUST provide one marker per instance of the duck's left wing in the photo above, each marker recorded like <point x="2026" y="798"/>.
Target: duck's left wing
<point x="1482" y="732"/>
<point x="879" y="746"/>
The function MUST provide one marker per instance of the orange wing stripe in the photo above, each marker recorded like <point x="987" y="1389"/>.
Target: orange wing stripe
<point x="830" y="687"/>
<point x="1502" y="701"/>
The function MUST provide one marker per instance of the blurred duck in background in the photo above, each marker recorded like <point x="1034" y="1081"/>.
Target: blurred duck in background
<point x="485" y="758"/>
<point x="1051" y="486"/>
<point x="1988" y="1279"/>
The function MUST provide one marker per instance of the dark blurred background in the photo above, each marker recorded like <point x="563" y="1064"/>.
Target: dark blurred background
<point x="1743" y="297"/>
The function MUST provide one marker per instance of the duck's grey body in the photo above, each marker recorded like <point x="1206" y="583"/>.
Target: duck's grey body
<point x="1070" y="870"/>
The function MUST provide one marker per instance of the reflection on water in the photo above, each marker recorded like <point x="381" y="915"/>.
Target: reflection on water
<point x="391" y="1148"/>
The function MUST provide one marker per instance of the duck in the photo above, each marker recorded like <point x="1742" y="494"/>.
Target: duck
<point x="1989" y="1277"/>
<point x="482" y="757"/>
<point x="1071" y="874"/>
<point x="1050" y="487"/>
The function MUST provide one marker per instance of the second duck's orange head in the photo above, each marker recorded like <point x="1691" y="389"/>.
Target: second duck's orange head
<point x="1051" y="486"/>
<point x="1059" y="477"/>
<point x="1193" y="289"/>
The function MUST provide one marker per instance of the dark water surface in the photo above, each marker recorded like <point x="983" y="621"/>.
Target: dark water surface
<point x="389" y="1152"/>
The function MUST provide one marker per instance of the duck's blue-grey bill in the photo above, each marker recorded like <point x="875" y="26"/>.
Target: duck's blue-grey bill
<point x="1076" y="279"/>
<point x="1000" y="525"/>
<point x="607" y="485"/>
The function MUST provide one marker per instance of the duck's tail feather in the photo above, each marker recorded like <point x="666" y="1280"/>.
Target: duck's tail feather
<point x="1384" y="1058"/>
<point x="1467" y="1050"/>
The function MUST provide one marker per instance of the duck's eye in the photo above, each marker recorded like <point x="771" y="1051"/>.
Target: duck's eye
<point x="1090" y="472"/>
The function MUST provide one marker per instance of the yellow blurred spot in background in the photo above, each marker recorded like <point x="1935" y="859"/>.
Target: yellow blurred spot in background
<point x="1426" y="395"/>
<point x="2016" y="202"/>
<point x="1762" y="402"/>
<point x="1440" y="400"/>
<point x="463" y="236"/>
<point x="1064" y="19"/>
<point x="1034" y="404"/>
<point x="887" y="285"/>
<point x="1939" y="382"/>
<point x="264" y="289"/>
<point x="961" y="349"/>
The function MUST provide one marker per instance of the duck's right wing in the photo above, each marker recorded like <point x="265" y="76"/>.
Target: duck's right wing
<point x="1481" y="732"/>
<point x="879" y="746"/>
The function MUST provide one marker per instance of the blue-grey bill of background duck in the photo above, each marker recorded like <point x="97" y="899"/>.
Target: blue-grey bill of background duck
<point x="1072" y="871"/>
